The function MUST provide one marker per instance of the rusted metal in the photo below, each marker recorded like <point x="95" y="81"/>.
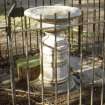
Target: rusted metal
<point x="93" y="59"/>
<point x="11" y="61"/>
<point x="81" y="59"/>
<point x="55" y="62"/>
<point x="27" y="59"/>
<point x="41" y="62"/>
<point x="69" y="49"/>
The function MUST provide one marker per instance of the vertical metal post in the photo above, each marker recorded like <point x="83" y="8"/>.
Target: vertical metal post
<point x="50" y="2"/>
<point x="41" y="60"/>
<point x="55" y="62"/>
<point x="29" y="27"/>
<point x="103" y="63"/>
<point x="15" y="36"/>
<point x="64" y="2"/>
<point x="99" y="16"/>
<point x="87" y="26"/>
<point x="12" y="72"/>
<point x="103" y="67"/>
<point x="22" y="31"/>
<point x="81" y="59"/>
<point x="5" y="8"/>
<point x="69" y="49"/>
<point x="27" y="60"/>
<point x="37" y="33"/>
<point x="43" y="2"/>
<point x="72" y="3"/>
<point x="35" y="3"/>
<point x="79" y="32"/>
<point x="93" y="58"/>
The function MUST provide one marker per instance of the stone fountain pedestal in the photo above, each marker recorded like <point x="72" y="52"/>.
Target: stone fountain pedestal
<point x="47" y="14"/>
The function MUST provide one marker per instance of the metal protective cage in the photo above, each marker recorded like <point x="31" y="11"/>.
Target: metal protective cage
<point x="86" y="39"/>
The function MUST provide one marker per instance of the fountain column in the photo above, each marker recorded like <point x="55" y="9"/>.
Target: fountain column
<point x="49" y="45"/>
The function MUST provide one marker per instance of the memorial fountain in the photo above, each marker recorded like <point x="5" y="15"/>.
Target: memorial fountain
<point x="55" y="47"/>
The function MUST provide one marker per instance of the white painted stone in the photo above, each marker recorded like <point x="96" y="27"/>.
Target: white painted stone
<point x="48" y="12"/>
<point x="48" y="57"/>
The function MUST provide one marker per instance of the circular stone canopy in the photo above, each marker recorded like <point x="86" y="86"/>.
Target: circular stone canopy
<point x="47" y="13"/>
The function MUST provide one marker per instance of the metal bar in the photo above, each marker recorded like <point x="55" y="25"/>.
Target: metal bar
<point x="29" y="27"/>
<point x="79" y="32"/>
<point x="22" y="35"/>
<point x="72" y="3"/>
<point x="73" y="25"/>
<point x="64" y="2"/>
<point x="11" y="9"/>
<point x="87" y="26"/>
<point x="22" y="31"/>
<point x="28" y="3"/>
<point x="43" y="3"/>
<point x="27" y="59"/>
<point x="103" y="63"/>
<point x="55" y="63"/>
<point x="93" y="58"/>
<point x="15" y="36"/>
<point x="103" y="67"/>
<point x="5" y="8"/>
<point x="80" y="2"/>
<point x="72" y="36"/>
<point x="12" y="74"/>
<point x="99" y="16"/>
<point x="35" y="3"/>
<point x="41" y="60"/>
<point x="37" y="39"/>
<point x="69" y="49"/>
<point x="81" y="60"/>
<point x="30" y="35"/>
<point x="50" y="2"/>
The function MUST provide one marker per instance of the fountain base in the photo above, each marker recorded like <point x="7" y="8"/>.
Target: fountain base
<point x="50" y="87"/>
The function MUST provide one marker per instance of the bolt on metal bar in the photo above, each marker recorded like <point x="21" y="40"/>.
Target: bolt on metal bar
<point x="27" y="59"/>
<point x="93" y="58"/>
<point x="12" y="74"/>
<point x="55" y="62"/>
<point x="41" y="61"/>
<point x="15" y="35"/>
<point x="69" y="49"/>
<point x="81" y="59"/>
